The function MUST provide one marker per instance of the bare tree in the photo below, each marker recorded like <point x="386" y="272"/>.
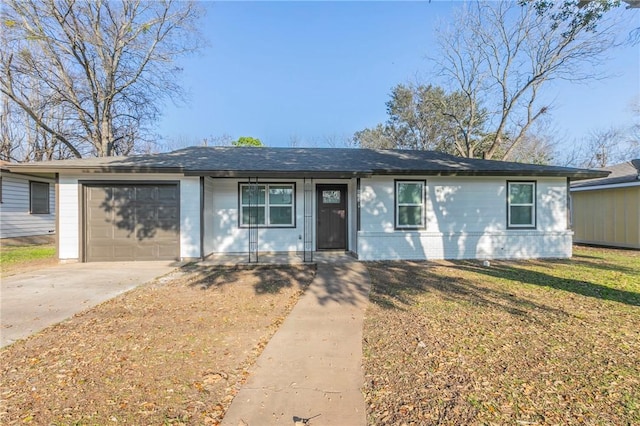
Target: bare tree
<point x="294" y="141"/>
<point x="183" y="141"/>
<point x="502" y="55"/>
<point x="21" y="139"/>
<point x="539" y="145"/>
<point x="335" y="140"/>
<point x="103" y="67"/>
<point x="604" y="147"/>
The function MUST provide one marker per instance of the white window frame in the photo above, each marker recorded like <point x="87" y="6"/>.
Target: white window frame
<point x="422" y="205"/>
<point x="267" y="205"/>
<point x="531" y="205"/>
<point x="45" y="187"/>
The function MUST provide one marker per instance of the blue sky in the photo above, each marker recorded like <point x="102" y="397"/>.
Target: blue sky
<point x="320" y="71"/>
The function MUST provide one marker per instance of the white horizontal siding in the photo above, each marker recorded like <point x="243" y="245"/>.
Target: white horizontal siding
<point x="15" y="218"/>
<point x="464" y="245"/>
<point x="228" y="237"/>
<point x="466" y="218"/>
<point x="68" y="218"/>
<point x="190" y="217"/>
<point x="208" y="216"/>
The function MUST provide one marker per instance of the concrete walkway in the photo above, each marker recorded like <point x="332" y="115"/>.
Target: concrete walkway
<point x="310" y="372"/>
<point x="32" y="301"/>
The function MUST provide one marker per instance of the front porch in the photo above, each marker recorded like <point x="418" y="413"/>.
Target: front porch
<point x="241" y="260"/>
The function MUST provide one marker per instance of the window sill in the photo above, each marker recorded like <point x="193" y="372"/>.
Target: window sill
<point x="410" y="228"/>
<point x="267" y="226"/>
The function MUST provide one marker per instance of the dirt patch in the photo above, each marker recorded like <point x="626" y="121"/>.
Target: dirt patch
<point x="164" y="353"/>
<point x="536" y="342"/>
<point x="34" y="240"/>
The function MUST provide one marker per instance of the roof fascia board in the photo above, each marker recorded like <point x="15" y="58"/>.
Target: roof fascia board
<point x="275" y="174"/>
<point x="573" y="175"/>
<point x="610" y="186"/>
<point x="34" y="168"/>
<point x="39" y="175"/>
<point x="29" y="168"/>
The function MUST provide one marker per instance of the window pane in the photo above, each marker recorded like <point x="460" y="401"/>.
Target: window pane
<point x="521" y="215"/>
<point x="258" y="198"/>
<point x="521" y="193"/>
<point x="331" y="197"/>
<point x="280" y="194"/>
<point x="39" y="198"/>
<point x="280" y="215"/>
<point x="251" y="214"/>
<point x="410" y="193"/>
<point x="410" y="216"/>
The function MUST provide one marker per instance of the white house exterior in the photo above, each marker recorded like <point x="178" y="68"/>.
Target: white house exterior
<point x="377" y="205"/>
<point x="27" y="204"/>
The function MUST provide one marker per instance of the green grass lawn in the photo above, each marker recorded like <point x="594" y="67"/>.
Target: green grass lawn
<point x="13" y="256"/>
<point x="527" y="342"/>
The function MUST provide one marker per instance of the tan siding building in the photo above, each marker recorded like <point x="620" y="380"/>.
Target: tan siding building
<point x="606" y="211"/>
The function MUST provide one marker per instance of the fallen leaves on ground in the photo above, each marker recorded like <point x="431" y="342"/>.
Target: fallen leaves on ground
<point x="171" y="352"/>
<point x="531" y="342"/>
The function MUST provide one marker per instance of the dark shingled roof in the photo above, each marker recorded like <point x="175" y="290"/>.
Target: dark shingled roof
<point x="304" y="162"/>
<point x="619" y="173"/>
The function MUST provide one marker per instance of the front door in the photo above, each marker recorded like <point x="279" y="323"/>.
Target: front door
<point x="331" y="228"/>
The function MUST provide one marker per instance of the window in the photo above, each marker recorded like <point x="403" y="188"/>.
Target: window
<point x="331" y="197"/>
<point x="521" y="211"/>
<point x="38" y="198"/>
<point x="410" y="201"/>
<point x="270" y="205"/>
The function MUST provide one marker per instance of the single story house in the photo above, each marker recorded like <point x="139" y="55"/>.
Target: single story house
<point x="375" y="204"/>
<point x="606" y="211"/>
<point x="27" y="204"/>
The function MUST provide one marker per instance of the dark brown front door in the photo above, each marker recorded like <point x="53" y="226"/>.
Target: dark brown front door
<point x="332" y="217"/>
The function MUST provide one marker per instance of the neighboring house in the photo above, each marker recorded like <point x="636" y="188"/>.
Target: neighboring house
<point x="376" y="204"/>
<point x="606" y="211"/>
<point x="27" y="204"/>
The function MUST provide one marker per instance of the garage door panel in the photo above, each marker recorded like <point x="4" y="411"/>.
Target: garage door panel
<point x="132" y="222"/>
<point x="97" y="196"/>
<point x="122" y="193"/>
<point x="166" y="193"/>
<point x="168" y="250"/>
<point x="111" y="252"/>
<point x="145" y="252"/>
<point x="101" y="233"/>
<point x="146" y="194"/>
<point x="168" y="213"/>
<point x="146" y="215"/>
<point x="121" y="233"/>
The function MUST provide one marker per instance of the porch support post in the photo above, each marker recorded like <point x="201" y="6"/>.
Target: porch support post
<point x="253" y="219"/>
<point x="202" y="224"/>
<point x="307" y="230"/>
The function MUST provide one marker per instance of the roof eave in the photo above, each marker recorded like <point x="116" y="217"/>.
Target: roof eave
<point x="31" y="168"/>
<point x="289" y="174"/>
<point x="341" y="174"/>
<point x="576" y="175"/>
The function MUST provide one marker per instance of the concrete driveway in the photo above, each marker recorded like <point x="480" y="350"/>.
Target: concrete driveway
<point x="32" y="301"/>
